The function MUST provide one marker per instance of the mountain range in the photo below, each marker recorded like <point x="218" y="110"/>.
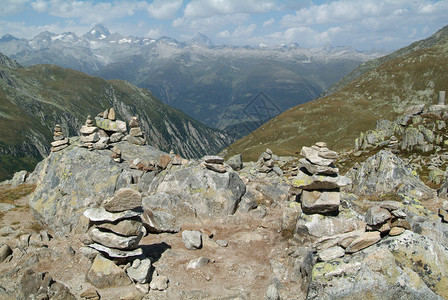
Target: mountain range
<point x="34" y="99"/>
<point x="216" y="85"/>
<point x="382" y="89"/>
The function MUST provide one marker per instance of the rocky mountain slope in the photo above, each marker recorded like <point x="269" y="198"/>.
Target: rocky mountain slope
<point x="277" y="228"/>
<point x="368" y="66"/>
<point x="36" y="98"/>
<point x="216" y="85"/>
<point x="383" y="93"/>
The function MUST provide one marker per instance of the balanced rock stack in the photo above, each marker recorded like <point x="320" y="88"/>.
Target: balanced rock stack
<point x="135" y="135"/>
<point x="318" y="180"/>
<point x="60" y="141"/>
<point x="388" y="218"/>
<point x="112" y="130"/>
<point x="117" y="227"/>
<point x="215" y="163"/>
<point x="266" y="161"/>
<point x="89" y="134"/>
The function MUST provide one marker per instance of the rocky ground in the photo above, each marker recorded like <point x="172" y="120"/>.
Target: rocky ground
<point x="278" y="228"/>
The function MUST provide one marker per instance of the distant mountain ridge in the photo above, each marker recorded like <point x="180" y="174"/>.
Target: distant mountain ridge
<point x="372" y="64"/>
<point x="338" y="119"/>
<point x="34" y="99"/>
<point x="211" y="83"/>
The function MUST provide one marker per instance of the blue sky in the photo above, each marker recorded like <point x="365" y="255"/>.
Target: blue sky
<point x="361" y="24"/>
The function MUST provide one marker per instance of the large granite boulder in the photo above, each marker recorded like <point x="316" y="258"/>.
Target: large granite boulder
<point x="193" y="192"/>
<point x="75" y="179"/>
<point x="386" y="173"/>
<point x="409" y="266"/>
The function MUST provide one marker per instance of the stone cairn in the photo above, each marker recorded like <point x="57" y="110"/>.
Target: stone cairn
<point x="111" y="130"/>
<point x="388" y="218"/>
<point x="60" y="141"/>
<point x="214" y="163"/>
<point x="266" y="161"/>
<point x="135" y="136"/>
<point x="89" y="134"/>
<point x="318" y="182"/>
<point x="116" y="230"/>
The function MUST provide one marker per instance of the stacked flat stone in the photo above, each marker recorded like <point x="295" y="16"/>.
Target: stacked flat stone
<point x="117" y="228"/>
<point x="214" y="163"/>
<point x="89" y="134"/>
<point x="388" y="218"/>
<point x="319" y="180"/>
<point x="60" y="141"/>
<point x="111" y="129"/>
<point x="266" y="161"/>
<point x="136" y="135"/>
<point x="116" y="154"/>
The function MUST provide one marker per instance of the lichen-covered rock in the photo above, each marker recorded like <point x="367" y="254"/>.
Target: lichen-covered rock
<point x="386" y="173"/>
<point x="104" y="273"/>
<point x="408" y="266"/>
<point x="209" y="193"/>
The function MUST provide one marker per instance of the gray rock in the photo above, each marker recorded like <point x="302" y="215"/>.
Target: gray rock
<point x="159" y="283"/>
<point x="320" y="226"/>
<point x="123" y="227"/>
<point x="66" y="185"/>
<point x="198" y="263"/>
<point x="135" y="140"/>
<point x="386" y="173"/>
<point x="312" y="155"/>
<point x="192" y="239"/>
<point x="100" y="214"/>
<point x="213" y="159"/>
<point x="116" y="137"/>
<point x="385" y="271"/>
<point x="376" y="215"/>
<point x="33" y="285"/>
<point x="222" y="243"/>
<point x="272" y="292"/>
<point x="109" y="125"/>
<point x="140" y="271"/>
<point x="208" y="193"/>
<point x="115" y="252"/>
<point x="235" y="162"/>
<point x="112" y="240"/>
<point x="390" y="205"/>
<point x="363" y="241"/>
<point x="320" y="201"/>
<point x="319" y="182"/>
<point x="18" y="178"/>
<point x="5" y="251"/>
<point x="4" y="207"/>
<point x="316" y="169"/>
<point x="216" y="167"/>
<point x="124" y="199"/>
<point x="331" y="253"/>
<point x="247" y="203"/>
<point x="89" y="252"/>
<point x="166" y="212"/>
<point x="91" y="138"/>
<point x="87" y="130"/>
<point x="104" y="273"/>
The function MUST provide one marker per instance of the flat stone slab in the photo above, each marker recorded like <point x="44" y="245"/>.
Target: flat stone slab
<point x="86" y="130"/>
<point x="331" y="253"/>
<point x="316" y="169"/>
<point x="123" y="227"/>
<point x="376" y="215"/>
<point x="213" y="159"/>
<point x="100" y="214"/>
<point x="216" y="167"/>
<point x="124" y="199"/>
<point x="319" y="182"/>
<point x="363" y="241"/>
<point x="109" y="125"/>
<point x="313" y="156"/>
<point x="116" y="252"/>
<point x="315" y="202"/>
<point x="112" y="240"/>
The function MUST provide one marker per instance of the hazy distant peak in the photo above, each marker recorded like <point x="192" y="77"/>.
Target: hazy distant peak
<point x="99" y="31"/>
<point x="7" y="37"/>
<point x="201" y="40"/>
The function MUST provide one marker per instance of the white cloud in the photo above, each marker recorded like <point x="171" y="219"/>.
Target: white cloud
<point x="40" y="6"/>
<point x="211" y="23"/>
<point x="268" y="22"/>
<point x="11" y="7"/>
<point x="163" y="9"/>
<point x="207" y="8"/>
<point x="224" y="34"/>
<point x="154" y="33"/>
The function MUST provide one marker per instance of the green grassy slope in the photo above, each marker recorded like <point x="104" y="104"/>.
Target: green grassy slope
<point x="338" y="119"/>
